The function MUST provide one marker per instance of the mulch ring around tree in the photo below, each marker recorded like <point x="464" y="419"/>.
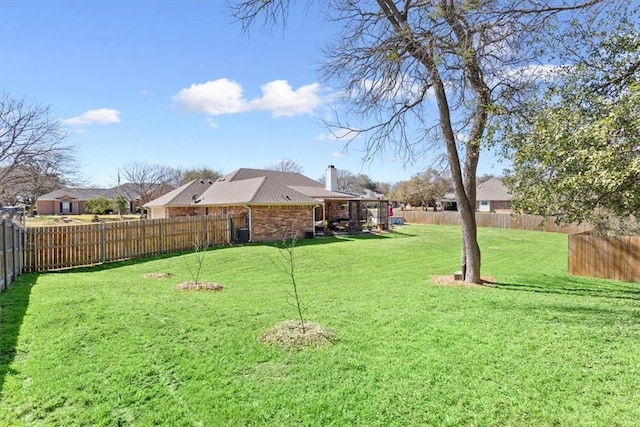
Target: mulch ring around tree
<point x="199" y="286"/>
<point x="290" y="334"/>
<point x="450" y="281"/>
<point x="157" y="275"/>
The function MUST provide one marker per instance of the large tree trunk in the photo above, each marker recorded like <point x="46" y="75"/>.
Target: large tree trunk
<point x="464" y="184"/>
<point x="471" y="249"/>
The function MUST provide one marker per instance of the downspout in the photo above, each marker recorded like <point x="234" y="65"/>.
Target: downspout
<point x="313" y="223"/>
<point x="250" y="221"/>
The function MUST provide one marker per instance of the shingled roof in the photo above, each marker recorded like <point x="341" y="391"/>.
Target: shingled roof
<point x="493" y="189"/>
<point x="289" y="179"/>
<point x="81" y="193"/>
<point x="250" y="186"/>
<point x="184" y="195"/>
<point x="257" y="191"/>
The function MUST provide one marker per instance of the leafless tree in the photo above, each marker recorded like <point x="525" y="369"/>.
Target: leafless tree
<point x="34" y="158"/>
<point x="286" y="165"/>
<point x="398" y="62"/>
<point x="183" y="176"/>
<point x="144" y="181"/>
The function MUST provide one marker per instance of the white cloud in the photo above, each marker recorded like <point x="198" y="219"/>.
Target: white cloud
<point x="224" y="96"/>
<point x="101" y="116"/>
<point x="212" y="123"/>
<point x="279" y="97"/>
<point x="337" y="154"/>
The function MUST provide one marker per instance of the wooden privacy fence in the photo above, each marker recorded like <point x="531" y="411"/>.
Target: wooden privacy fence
<point x="50" y="248"/>
<point x="11" y="253"/>
<point x="496" y="220"/>
<point x="615" y="258"/>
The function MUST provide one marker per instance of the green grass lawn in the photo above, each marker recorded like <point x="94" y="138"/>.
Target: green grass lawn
<point x="105" y="346"/>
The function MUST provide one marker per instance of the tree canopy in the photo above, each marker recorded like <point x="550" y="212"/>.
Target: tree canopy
<point x="576" y="152"/>
<point x="423" y="189"/>
<point x="424" y="75"/>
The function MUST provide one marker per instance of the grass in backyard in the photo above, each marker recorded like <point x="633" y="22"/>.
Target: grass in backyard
<point x="46" y="220"/>
<point x="107" y="346"/>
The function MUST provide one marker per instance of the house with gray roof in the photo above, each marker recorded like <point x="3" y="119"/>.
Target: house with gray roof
<point x="493" y="196"/>
<point x="71" y="201"/>
<point x="276" y="203"/>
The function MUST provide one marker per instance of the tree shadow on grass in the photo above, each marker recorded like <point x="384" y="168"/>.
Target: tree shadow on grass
<point x="339" y="238"/>
<point x="13" y="306"/>
<point x="573" y="285"/>
<point x="301" y="242"/>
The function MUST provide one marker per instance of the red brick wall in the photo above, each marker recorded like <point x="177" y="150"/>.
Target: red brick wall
<point x="52" y="207"/>
<point x="45" y="207"/>
<point x="231" y="210"/>
<point x="500" y="206"/>
<point x="337" y="209"/>
<point x="185" y="211"/>
<point x="271" y="223"/>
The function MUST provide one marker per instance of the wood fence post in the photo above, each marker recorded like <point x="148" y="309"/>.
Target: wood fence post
<point x="14" y="229"/>
<point x="3" y="245"/>
<point x="103" y="249"/>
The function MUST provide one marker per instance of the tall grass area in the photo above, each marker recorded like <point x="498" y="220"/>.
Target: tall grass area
<point x="105" y="346"/>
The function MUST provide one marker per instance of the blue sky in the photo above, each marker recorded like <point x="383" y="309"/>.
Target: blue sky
<point x="179" y="83"/>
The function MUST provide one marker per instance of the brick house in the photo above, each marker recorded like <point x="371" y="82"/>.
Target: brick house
<point x="493" y="196"/>
<point x="276" y="203"/>
<point x="71" y="201"/>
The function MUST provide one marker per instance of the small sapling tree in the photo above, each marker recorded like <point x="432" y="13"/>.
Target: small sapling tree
<point x="286" y="263"/>
<point x="194" y="265"/>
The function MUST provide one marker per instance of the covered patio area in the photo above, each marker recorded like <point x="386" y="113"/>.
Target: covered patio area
<point x="351" y="216"/>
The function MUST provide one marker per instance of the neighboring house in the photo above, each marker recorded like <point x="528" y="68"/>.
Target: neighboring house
<point x="493" y="196"/>
<point x="448" y="201"/>
<point x="71" y="201"/>
<point x="276" y="203"/>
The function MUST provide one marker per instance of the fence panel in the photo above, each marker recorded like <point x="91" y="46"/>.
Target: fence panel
<point x="495" y="220"/>
<point x="616" y="258"/>
<point x="11" y="253"/>
<point x="57" y="247"/>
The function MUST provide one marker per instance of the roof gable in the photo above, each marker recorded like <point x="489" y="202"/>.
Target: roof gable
<point x="184" y="195"/>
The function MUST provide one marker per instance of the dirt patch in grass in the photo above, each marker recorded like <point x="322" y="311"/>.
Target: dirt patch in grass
<point x="157" y="275"/>
<point x="450" y="281"/>
<point x="290" y="334"/>
<point x="199" y="286"/>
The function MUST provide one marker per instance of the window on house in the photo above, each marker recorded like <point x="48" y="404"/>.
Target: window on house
<point x="224" y="212"/>
<point x="65" y="207"/>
